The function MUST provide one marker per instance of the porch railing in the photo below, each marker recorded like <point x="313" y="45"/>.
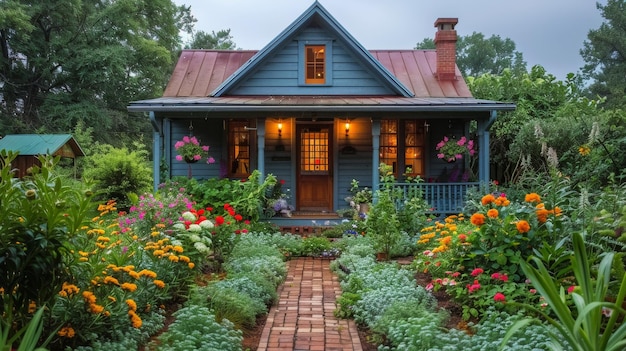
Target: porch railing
<point x="444" y="198"/>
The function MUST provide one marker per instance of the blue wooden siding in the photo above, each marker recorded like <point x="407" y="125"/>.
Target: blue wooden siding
<point x="280" y="154"/>
<point x="279" y="75"/>
<point x="209" y="132"/>
<point x="356" y="165"/>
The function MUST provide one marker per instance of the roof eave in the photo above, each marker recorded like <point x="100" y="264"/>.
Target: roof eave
<point x="319" y="108"/>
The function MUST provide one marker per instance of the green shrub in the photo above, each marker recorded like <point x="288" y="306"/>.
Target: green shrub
<point x="314" y="246"/>
<point x="118" y="173"/>
<point x="236" y="306"/>
<point x="196" y="328"/>
<point x="271" y="268"/>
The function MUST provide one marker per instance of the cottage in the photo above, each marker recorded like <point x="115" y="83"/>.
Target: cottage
<point x="317" y="109"/>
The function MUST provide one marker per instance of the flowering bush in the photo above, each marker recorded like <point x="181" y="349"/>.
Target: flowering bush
<point x="190" y="150"/>
<point x="452" y="149"/>
<point x="277" y="201"/>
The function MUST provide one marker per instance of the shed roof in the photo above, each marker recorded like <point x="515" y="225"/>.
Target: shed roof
<point x="39" y="144"/>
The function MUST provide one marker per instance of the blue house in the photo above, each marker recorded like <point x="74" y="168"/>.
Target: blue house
<point x="317" y="110"/>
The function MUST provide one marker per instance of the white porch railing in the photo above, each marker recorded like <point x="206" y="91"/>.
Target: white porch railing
<point x="444" y="198"/>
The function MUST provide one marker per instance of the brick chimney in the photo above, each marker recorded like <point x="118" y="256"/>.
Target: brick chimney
<point x="445" y="43"/>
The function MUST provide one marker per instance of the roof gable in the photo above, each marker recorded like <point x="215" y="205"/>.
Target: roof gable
<point x="39" y="144"/>
<point x="317" y="16"/>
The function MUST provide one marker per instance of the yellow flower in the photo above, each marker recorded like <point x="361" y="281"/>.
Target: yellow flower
<point x="584" y="150"/>
<point x="159" y="283"/>
<point x="111" y="280"/>
<point x="95" y="308"/>
<point x="147" y="273"/>
<point x="173" y="258"/>
<point x="191" y="265"/>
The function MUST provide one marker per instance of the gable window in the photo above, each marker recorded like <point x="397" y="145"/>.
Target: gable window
<point x="402" y="146"/>
<point x="315" y="62"/>
<point x="238" y="149"/>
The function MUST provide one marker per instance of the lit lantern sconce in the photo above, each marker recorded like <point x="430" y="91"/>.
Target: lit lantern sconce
<point x="280" y="128"/>
<point x="347" y="127"/>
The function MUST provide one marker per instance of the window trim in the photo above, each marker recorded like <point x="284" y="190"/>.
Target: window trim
<point x="328" y="73"/>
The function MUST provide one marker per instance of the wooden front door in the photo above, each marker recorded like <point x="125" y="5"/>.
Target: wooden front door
<point x="314" y="167"/>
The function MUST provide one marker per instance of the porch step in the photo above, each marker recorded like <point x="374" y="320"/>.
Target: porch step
<point x="306" y="223"/>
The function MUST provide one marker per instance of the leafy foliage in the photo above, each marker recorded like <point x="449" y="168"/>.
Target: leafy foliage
<point x="118" y="173"/>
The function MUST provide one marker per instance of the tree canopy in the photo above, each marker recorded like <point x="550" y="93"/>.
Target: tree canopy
<point x="605" y="54"/>
<point x="66" y="61"/>
<point x="478" y="55"/>
<point x="222" y="40"/>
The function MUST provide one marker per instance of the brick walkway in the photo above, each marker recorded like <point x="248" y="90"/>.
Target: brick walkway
<point x="303" y="317"/>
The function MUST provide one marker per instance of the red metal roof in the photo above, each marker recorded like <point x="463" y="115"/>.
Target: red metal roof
<point x="199" y="72"/>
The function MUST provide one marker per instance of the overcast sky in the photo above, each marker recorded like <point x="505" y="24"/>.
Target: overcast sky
<point x="547" y="32"/>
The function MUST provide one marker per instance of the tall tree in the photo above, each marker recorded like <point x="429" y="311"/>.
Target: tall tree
<point x="69" y="60"/>
<point x="478" y="55"/>
<point x="605" y="54"/>
<point x="222" y="40"/>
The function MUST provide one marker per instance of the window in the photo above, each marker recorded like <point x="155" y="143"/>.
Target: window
<point x="315" y="64"/>
<point x="238" y="149"/>
<point x="389" y="143"/>
<point x="402" y="137"/>
<point x="314" y="151"/>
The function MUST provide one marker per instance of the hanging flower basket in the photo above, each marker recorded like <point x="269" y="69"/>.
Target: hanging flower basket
<point x="190" y="150"/>
<point x="450" y="149"/>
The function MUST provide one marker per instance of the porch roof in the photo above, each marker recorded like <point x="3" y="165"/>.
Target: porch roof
<point x="317" y="103"/>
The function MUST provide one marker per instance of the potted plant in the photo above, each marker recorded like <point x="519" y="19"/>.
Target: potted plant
<point x="190" y="150"/>
<point x="450" y="149"/>
<point x="361" y="198"/>
<point x="383" y="225"/>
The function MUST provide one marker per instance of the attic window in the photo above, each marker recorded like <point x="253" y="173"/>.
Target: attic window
<point x="315" y="64"/>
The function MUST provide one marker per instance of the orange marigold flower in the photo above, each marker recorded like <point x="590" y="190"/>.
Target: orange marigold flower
<point x="129" y="287"/>
<point x="111" y="280"/>
<point x="147" y="273"/>
<point x="173" y="258"/>
<point x="487" y="199"/>
<point x="132" y="305"/>
<point x="532" y="197"/>
<point x="522" y="226"/>
<point x="159" y="283"/>
<point x="446" y="240"/>
<point x="89" y="297"/>
<point x="67" y="332"/>
<point x="557" y="211"/>
<point x="184" y="259"/>
<point x="135" y="319"/>
<point x="134" y="275"/>
<point x="492" y="213"/>
<point x="542" y="215"/>
<point x="191" y="265"/>
<point x="95" y="308"/>
<point x="477" y="219"/>
<point x="502" y="201"/>
<point x="178" y="249"/>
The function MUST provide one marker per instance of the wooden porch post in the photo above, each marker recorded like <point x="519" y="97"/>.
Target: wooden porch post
<point x="260" y="133"/>
<point x="375" y="155"/>
<point x="156" y="150"/>
<point x="483" y="147"/>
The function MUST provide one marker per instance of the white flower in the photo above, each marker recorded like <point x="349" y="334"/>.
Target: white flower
<point x="195" y="228"/>
<point x="201" y="247"/>
<point x="195" y="238"/>
<point x="188" y="216"/>
<point x="179" y="226"/>
<point x="206" y="224"/>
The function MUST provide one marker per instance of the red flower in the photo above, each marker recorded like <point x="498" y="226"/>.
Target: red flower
<point x="571" y="289"/>
<point x="473" y="287"/>
<point x="477" y="271"/>
<point x="200" y="212"/>
<point x="462" y="237"/>
<point x="499" y="297"/>
<point x="282" y="182"/>
<point x="238" y="217"/>
<point x="219" y="220"/>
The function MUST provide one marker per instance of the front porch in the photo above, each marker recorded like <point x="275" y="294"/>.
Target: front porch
<point x="444" y="199"/>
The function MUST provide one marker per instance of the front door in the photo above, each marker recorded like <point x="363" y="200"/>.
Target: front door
<point x="314" y="167"/>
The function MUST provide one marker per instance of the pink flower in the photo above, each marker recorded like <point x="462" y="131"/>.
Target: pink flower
<point x="179" y="158"/>
<point x="499" y="297"/>
<point x="533" y="291"/>
<point x="477" y="271"/>
<point x="571" y="289"/>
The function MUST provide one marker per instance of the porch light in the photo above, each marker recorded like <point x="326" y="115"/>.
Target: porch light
<point x="347" y="127"/>
<point x="280" y="129"/>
